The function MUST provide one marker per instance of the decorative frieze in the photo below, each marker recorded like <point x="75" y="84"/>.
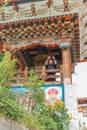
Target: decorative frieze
<point x="22" y="11"/>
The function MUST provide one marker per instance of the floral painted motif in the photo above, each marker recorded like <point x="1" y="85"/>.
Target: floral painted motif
<point x="15" y="7"/>
<point x="33" y="9"/>
<point x="66" y="7"/>
<point x="2" y="15"/>
<point x="49" y="3"/>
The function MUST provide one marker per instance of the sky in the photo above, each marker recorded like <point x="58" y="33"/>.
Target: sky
<point x="80" y="79"/>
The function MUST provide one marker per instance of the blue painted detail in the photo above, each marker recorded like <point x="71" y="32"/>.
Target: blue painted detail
<point x="56" y="38"/>
<point x="19" y="89"/>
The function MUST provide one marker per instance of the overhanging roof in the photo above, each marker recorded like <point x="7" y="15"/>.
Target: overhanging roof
<point x="44" y="31"/>
<point x="29" y="23"/>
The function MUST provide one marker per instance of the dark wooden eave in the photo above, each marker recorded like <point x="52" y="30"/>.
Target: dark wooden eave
<point x="43" y="29"/>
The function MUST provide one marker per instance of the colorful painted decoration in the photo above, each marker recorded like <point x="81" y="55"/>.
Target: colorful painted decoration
<point x="54" y="93"/>
<point x="27" y="10"/>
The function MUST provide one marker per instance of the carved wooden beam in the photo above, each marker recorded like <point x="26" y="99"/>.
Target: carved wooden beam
<point x="22" y="58"/>
<point x="33" y="52"/>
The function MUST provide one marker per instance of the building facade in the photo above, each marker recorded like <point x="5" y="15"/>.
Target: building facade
<point x="29" y="28"/>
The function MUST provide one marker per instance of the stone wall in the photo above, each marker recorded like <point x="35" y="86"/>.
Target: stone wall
<point x="71" y="105"/>
<point x="10" y="125"/>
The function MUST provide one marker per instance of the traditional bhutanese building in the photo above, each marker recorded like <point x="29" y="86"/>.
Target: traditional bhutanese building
<point x="32" y="27"/>
<point x="52" y="27"/>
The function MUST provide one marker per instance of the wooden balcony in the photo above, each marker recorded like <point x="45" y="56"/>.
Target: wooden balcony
<point x="51" y="76"/>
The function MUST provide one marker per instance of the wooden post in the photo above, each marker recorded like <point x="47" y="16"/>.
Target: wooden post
<point x="26" y="72"/>
<point x="66" y="61"/>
